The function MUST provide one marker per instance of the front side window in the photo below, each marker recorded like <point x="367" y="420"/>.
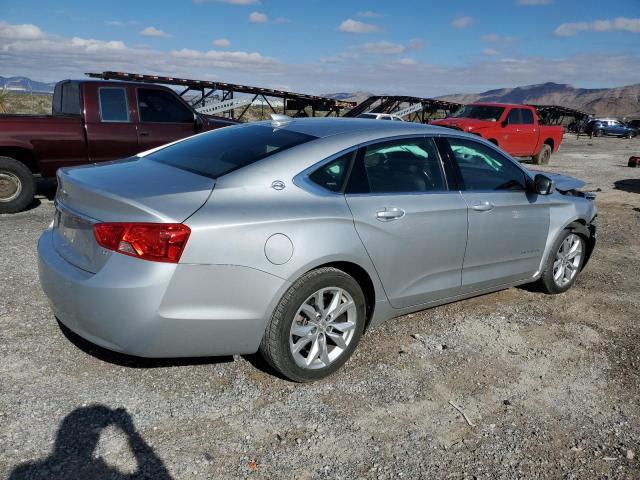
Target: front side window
<point x="333" y="174"/>
<point x="224" y="150"/>
<point x="514" y="117"/>
<point x="113" y="104"/>
<point x="161" y="106"/>
<point x="483" y="168"/>
<point x="399" y="166"/>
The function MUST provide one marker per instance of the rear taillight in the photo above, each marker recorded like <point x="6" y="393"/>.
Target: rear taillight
<point x="159" y="242"/>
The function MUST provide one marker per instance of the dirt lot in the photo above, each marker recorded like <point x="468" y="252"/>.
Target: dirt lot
<point x="550" y="383"/>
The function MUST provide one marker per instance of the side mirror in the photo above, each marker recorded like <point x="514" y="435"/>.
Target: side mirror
<point x="543" y="185"/>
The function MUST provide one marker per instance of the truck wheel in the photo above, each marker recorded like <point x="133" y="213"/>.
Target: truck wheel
<point x="543" y="156"/>
<point x="17" y="186"/>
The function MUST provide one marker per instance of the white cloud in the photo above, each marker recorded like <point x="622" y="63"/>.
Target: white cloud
<point x="221" y="42"/>
<point x="618" y="24"/>
<point x="368" y="14"/>
<point x="354" y="26"/>
<point x="25" y="31"/>
<point x="490" y="52"/>
<point x="534" y="2"/>
<point x="461" y="22"/>
<point x="383" y="48"/>
<point x="258" y="17"/>
<point x="153" y="32"/>
<point x="407" y="61"/>
<point x="114" y="23"/>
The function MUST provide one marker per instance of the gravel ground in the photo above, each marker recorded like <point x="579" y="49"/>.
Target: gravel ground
<point x="550" y="383"/>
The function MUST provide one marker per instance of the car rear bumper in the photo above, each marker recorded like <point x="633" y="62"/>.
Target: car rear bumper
<point x="161" y="310"/>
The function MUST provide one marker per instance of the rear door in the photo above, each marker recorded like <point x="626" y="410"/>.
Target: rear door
<point x="412" y="225"/>
<point x="527" y="132"/>
<point x="111" y="132"/>
<point x="508" y="224"/>
<point x="162" y="118"/>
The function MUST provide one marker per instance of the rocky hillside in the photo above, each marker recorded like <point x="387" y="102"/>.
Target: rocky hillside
<point x="617" y="102"/>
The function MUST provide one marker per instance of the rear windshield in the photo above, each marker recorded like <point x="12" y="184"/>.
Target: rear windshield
<point x="227" y="149"/>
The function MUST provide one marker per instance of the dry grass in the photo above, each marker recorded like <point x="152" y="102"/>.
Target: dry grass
<point x="24" y="103"/>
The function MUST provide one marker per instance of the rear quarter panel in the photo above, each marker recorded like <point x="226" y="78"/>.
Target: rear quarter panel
<point x="52" y="141"/>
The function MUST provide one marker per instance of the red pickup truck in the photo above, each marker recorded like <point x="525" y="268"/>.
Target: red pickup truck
<point x="514" y="128"/>
<point x="92" y="121"/>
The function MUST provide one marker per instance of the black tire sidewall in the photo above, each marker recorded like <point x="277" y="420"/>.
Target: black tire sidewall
<point x="303" y="290"/>
<point x="25" y="176"/>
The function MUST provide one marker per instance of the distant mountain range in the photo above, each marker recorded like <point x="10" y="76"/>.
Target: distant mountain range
<point x="615" y="102"/>
<point x="24" y="84"/>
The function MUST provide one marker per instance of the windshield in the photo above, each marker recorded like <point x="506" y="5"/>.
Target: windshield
<point x="480" y="112"/>
<point x="227" y="149"/>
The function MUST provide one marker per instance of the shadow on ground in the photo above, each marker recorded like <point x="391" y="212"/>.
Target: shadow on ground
<point x="73" y="454"/>
<point x="131" y="361"/>
<point x="631" y="185"/>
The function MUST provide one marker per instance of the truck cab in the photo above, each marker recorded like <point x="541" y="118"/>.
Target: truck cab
<point x="514" y="128"/>
<point x="91" y="121"/>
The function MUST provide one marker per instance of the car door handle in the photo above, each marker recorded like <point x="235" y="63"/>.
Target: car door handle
<point x="483" y="206"/>
<point x="144" y="134"/>
<point x="389" y="214"/>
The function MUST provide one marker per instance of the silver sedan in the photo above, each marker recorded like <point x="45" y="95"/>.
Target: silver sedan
<point x="293" y="237"/>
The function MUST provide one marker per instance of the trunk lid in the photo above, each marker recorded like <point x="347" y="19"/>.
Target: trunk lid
<point x="133" y="190"/>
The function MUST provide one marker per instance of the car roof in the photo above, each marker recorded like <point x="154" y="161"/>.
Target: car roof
<point x="326" y="127"/>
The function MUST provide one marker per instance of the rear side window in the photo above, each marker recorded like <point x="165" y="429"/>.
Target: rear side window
<point x="527" y="116"/>
<point x="401" y="166"/>
<point x="333" y="174"/>
<point x="227" y="149"/>
<point x="160" y="106"/>
<point x="113" y="104"/>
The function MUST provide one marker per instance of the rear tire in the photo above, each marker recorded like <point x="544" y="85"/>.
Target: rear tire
<point x="543" y="156"/>
<point x="564" y="263"/>
<point x="598" y="133"/>
<point x="17" y="186"/>
<point x="326" y="341"/>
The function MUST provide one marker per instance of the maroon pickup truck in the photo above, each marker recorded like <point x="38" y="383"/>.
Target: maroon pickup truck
<point x="92" y="121"/>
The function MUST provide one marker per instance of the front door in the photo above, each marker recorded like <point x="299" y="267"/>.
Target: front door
<point x="162" y="118"/>
<point x="413" y="227"/>
<point x="508" y="223"/>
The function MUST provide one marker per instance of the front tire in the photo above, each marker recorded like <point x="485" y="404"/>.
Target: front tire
<point x="17" y="186"/>
<point x="316" y="326"/>
<point x="543" y="156"/>
<point x="564" y="263"/>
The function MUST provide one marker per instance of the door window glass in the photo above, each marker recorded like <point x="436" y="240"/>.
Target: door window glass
<point x="514" y="117"/>
<point x="483" y="168"/>
<point x="113" y="104"/>
<point x="332" y="175"/>
<point x="402" y="166"/>
<point x="526" y="116"/>
<point x="162" y="106"/>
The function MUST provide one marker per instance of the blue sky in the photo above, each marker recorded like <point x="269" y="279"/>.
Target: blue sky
<point x="416" y="47"/>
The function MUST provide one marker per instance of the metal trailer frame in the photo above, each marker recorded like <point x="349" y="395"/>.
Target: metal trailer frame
<point x="291" y="101"/>
<point x="556" y="114"/>
<point x="431" y="108"/>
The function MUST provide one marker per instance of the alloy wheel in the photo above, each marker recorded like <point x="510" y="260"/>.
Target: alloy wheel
<point x="323" y="328"/>
<point x="567" y="262"/>
<point x="10" y="186"/>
